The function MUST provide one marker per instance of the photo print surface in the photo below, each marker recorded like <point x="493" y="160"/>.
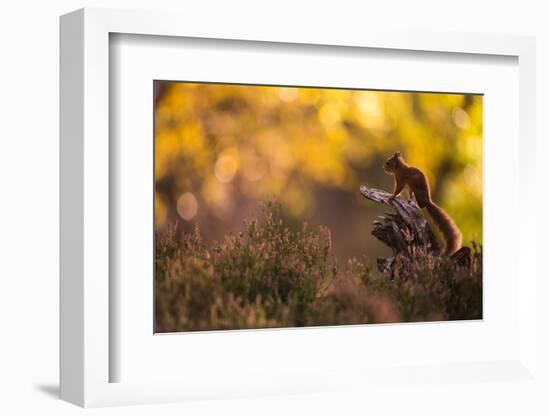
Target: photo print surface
<point x="282" y="206"/>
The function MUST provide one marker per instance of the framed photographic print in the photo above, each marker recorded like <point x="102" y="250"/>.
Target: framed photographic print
<point x="259" y="219"/>
<point x="269" y="214"/>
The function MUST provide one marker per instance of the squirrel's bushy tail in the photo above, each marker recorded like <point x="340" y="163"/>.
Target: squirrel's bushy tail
<point x="451" y="233"/>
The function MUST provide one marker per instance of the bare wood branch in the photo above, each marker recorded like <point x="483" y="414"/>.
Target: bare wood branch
<point x="403" y="229"/>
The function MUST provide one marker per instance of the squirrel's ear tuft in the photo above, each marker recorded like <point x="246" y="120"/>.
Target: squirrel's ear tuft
<point x="397" y="154"/>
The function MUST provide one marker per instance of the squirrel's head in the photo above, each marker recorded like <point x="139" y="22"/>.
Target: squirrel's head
<point x="393" y="163"/>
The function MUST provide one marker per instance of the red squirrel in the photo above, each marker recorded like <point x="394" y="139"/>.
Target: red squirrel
<point x="417" y="184"/>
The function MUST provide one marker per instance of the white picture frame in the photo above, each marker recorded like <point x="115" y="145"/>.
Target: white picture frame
<point x="85" y="353"/>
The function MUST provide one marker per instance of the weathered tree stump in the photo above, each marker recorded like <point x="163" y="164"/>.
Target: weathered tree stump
<point x="405" y="229"/>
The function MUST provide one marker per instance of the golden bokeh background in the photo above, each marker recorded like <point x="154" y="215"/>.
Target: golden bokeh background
<point x="221" y="149"/>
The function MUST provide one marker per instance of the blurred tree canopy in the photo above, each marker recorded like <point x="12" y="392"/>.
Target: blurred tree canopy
<point x="220" y="149"/>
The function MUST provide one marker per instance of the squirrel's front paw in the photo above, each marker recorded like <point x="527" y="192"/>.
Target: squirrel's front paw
<point x="391" y="199"/>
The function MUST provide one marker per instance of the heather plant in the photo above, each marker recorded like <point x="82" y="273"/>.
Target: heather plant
<point x="272" y="263"/>
<point x="271" y="276"/>
<point x="264" y="276"/>
<point x="429" y="287"/>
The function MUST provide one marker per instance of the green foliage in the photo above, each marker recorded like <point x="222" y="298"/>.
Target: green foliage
<point x="220" y="149"/>
<point x="271" y="276"/>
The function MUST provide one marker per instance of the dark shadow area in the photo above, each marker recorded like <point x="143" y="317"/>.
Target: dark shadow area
<point x="51" y="390"/>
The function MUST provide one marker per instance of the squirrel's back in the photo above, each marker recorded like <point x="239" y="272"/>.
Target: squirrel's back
<point x="417" y="182"/>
